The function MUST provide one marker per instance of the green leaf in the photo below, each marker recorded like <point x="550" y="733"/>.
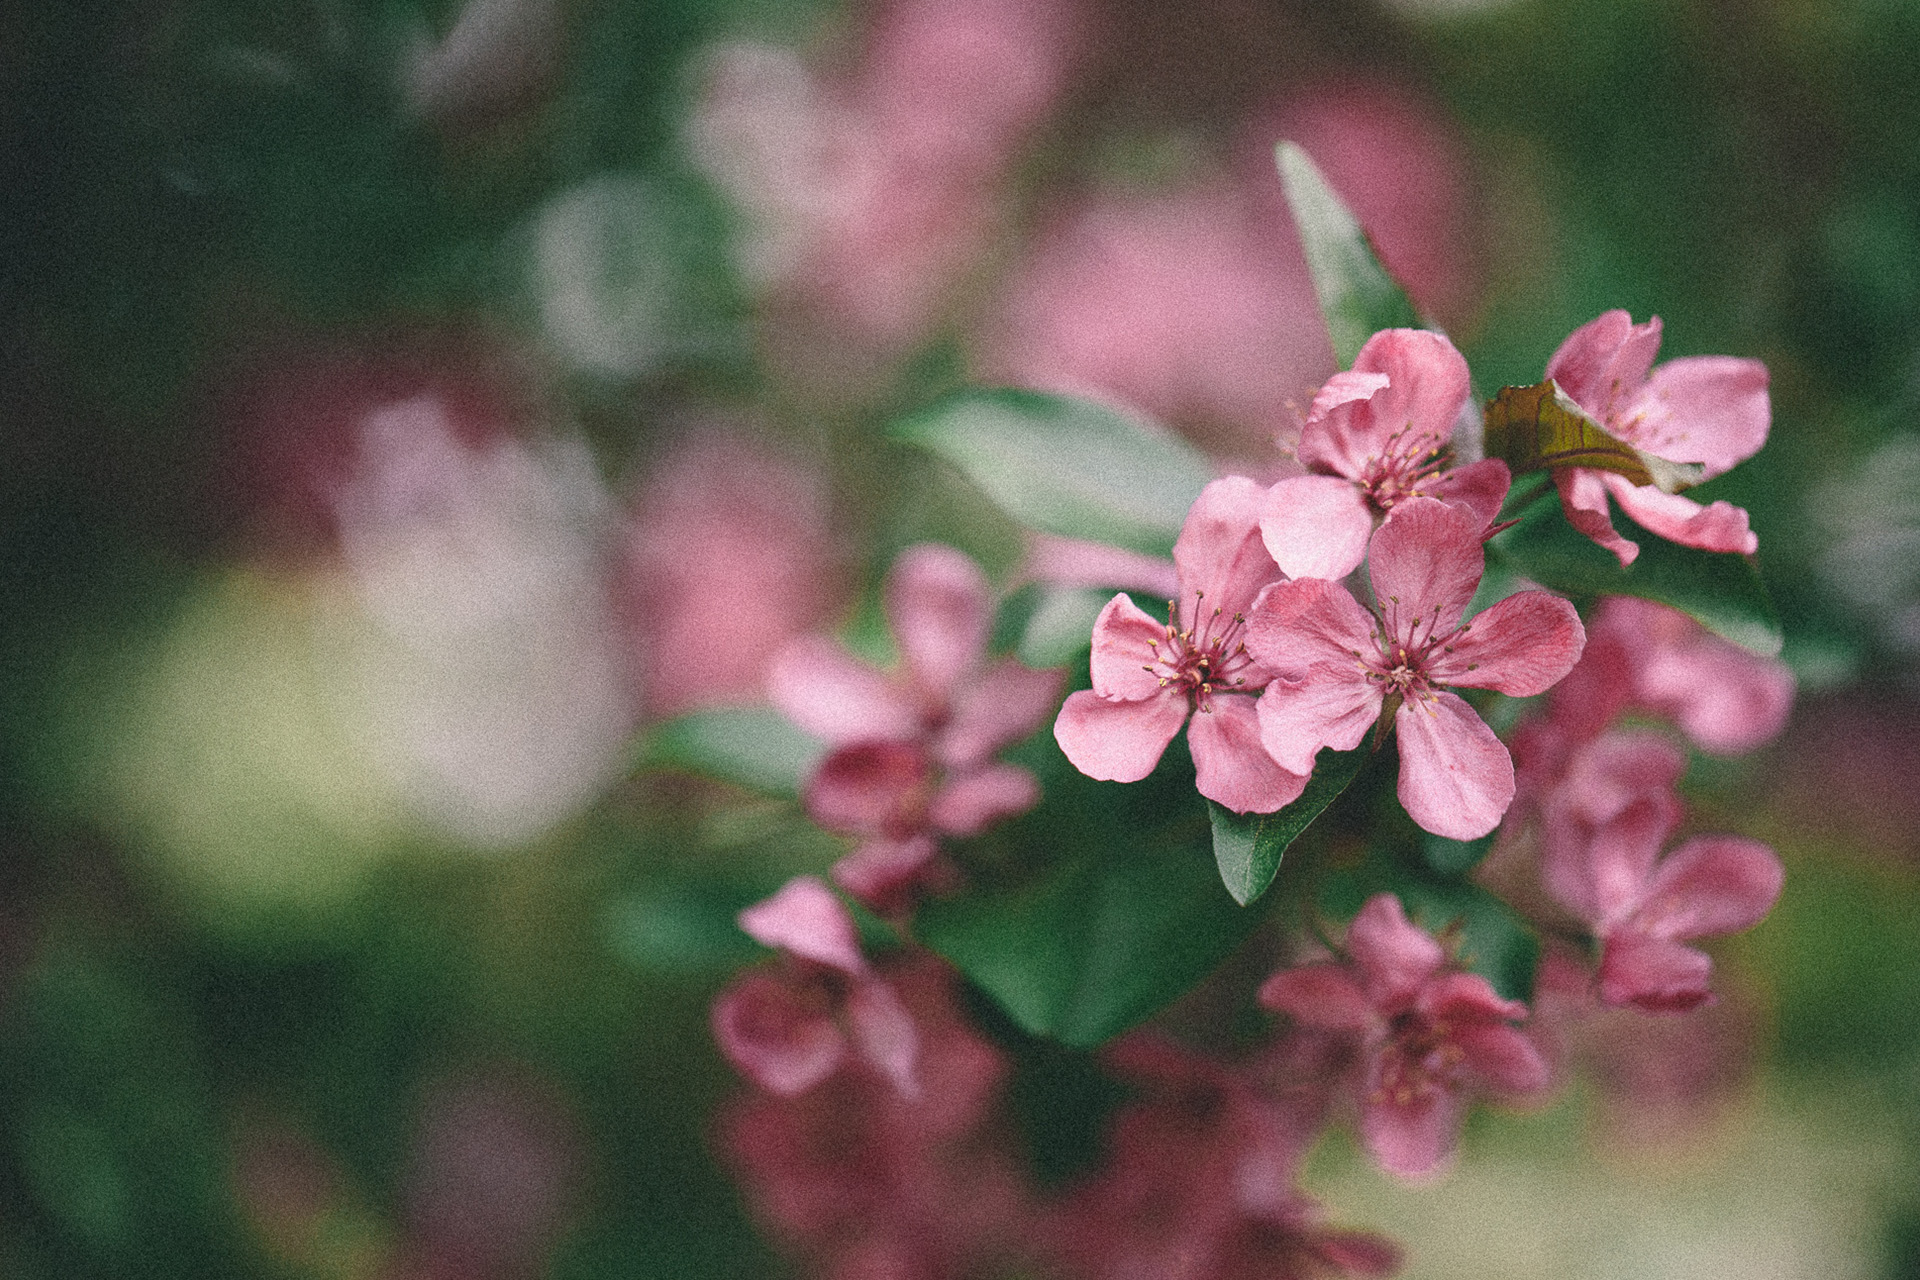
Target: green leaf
<point x="1248" y="847"/>
<point x="753" y="747"/>
<point x="1357" y="296"/>
<point x="1453" y="858"/>
<point x="1720" y="590"/>
<point x="1127" y="915"/>
<point x="1067" y="467"/>
<point x="1539" y="428"/>
<point x="1060" y="629"/>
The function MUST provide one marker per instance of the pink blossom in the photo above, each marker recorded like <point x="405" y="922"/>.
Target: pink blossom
<point x="1199" y="1183"/>
<point x="1643" y="908"/>
<point x="728" y="557"/>
<point x="1192" y="305"/>
<point x="913" y="750"/>
<point x="790" y="1028"/>
<point x="1646" y="656"/>
<point x="1149" y="677"/>
<point x="1378" y="434"/>
<point x="1337" y="666"/>
<point x="1430" y="1034"/>
<point x="1710" y="410"/>
<point x="860" y="1180"/>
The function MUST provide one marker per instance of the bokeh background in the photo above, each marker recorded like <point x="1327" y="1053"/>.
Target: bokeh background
<point x="407" y="403"/>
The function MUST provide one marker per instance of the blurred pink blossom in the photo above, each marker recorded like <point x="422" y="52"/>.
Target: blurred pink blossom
<point x="1194" y="669"/>
<point x="1377" y="434"/>
<point x="1193" y="305"/>
<point x="1430" y="1035"/>
<point x="1339" y="667"/>
<point x="913" y="750"/>
<point x="729" y="555"/>
<point x="790" y="1029"/>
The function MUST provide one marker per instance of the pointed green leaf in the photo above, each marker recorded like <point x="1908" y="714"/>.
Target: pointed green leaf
<point x="752" y="747"/>
<point x="1068" y="467"/>
<point x="1539" y="428"/>
<point x="1248" y="847"/>
<point x="1126" y="915"/>
<point x="1357" y="296"/>
<point x="1720" y="590"/>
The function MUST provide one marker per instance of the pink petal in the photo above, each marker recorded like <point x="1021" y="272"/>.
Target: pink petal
<point x="1711" y="885"/>
<point x="1707" y="409"/>
<point x="833" y="695"/>
<point x="1481" y="487"/>
<point x="1008" y="702"/>
<point x="1069" y="562"/>
<point x="1320" y="995"/>
<point x="869" y="788"/>
<point x="975" y="800"/>
<point x="1727" y="700"/>
<point x="1504" y="1058"/>
<point x="1412" y="1139"/>
<point x="939" y="606"/>
<point x="1316" y="526"/>
<point x="1654" y="974"/>
<point x="1583" y="497"/>
<point x="1118" y="741"/>
<point x="1345" y="387"/>
<point x="1456" y="778"/>
<point x="1219" y="552"/>
<point x="1298" y="718"/>
<point x="1125" y="637"/>
<point x="1467" y="999"/>
<point x="1605" y="361"/>
<point x="1358" y="1253"/>
<point x="1425" y="563"/>
<point x="1396" y="956"/>
<point x="884" y="875"/>
<point x="806" y="920"/>
<point x="1678" y="518"/>
<point x="1621" y="854"/>
<point x="1522" y="645"/>
<point x="1314" y="634"/>
<point x="884" y="1034"/>
<point x="1230" y="764"/>
<point x="1426" y="385"/>
<point x="777" y="1037"/>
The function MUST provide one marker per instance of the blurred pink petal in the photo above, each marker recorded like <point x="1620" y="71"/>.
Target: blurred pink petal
<point x="1003" y="706"/>
<point x="870" y="787"/>
<point x="1395" y="956"/>
<point x="806" y="919"/>
<point x="775" y="1035"/>
<point x="976" y="800"/>
<point x="883" y="1033"/>
<point x="1322" y="995"/>
<point x="1069" y="562"/>
<point x="939" y="608"/>
<point x="833" y="695"/>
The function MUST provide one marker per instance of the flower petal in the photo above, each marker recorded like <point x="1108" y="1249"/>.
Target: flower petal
<point x="1320" y="995"/>
<point x="1504" y="1058"/>
<point x="1311" y="629"/>
<point x="884" y="1034"/>
<point x="1522" y="645"/>
<point x="1656" y="975"/>
<point x="884" y="875"/>
<point x="973" y="801"/>
<point x="775" y="1036"/>
<point x="868" y="788"/>
<point x="1605" y="361"/>
<point x="1126" y="642"/>
<point x="939" y="606"/>
<point x="1230" y="764"/>
<point x="1414" y="411"/>
<point x="1456" y="778"/>
<point x="1413" y="1139"/>
<point x="806" y="920"/>
<point x="1219" y="552"/>
<point x="1583" y="497"/>
<point x="1117" y="741"/>
<point x="1008" y="701"/>
<point x="1678" y="518"/>
<point x="1425" y="563"/>
<point x="1711" y="885"/>
<point x="1396" y="956"/>
<point x="1728" y="701"/>
<point x="833" y="695"/>
<point x="1070" y="562"/>
<point x="1707" y="409"/>
<point x="1481" y="487"/>
<point x="1316" y="526"/>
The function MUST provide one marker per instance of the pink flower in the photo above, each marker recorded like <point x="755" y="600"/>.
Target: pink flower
<point x="913" y="750"/>
<point x="1377" y="435"/>
<point x="792" y="1028"/>
<point x="1644" y="908"/>
<point x="1337" y="667"/>
<point x="1430" y="1034"/>
<point x="1710" y="410"/>
<point x="728" y="541"/>
<point x="1149" y="676"/>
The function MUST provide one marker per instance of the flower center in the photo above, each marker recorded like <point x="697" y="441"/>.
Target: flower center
<point x="1404" y="468"/>
<point x="1206" y="657"/>
<point x="1420" y="1062"/>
